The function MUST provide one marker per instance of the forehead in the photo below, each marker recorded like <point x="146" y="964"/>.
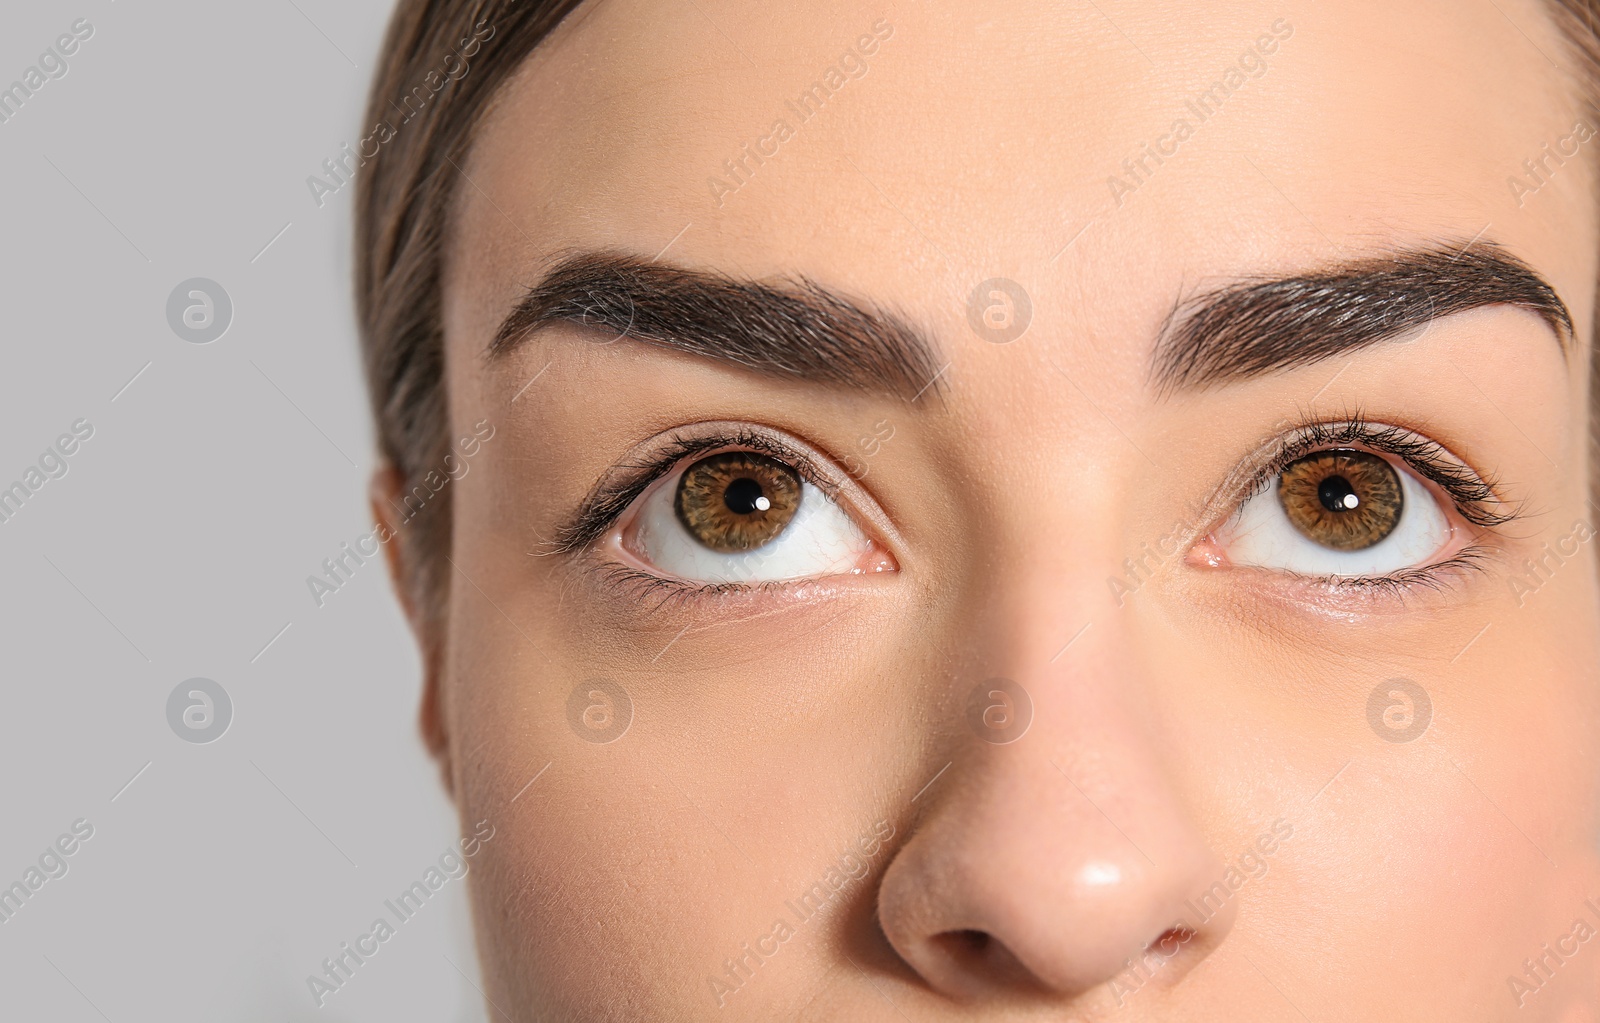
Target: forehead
<point x="1107" y="157"/>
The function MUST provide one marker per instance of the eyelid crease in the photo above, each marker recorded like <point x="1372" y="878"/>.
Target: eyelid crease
<point x="623" y="483"/>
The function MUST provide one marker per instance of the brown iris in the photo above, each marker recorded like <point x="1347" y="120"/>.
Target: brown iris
<point x="1344" y="499"/>
<point x="737" y="501"/>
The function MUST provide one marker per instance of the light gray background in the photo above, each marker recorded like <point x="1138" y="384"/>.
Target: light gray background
<point x="178" y="145"/>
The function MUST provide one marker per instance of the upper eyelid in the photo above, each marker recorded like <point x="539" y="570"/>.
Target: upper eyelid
<point x="611" y="496"/>
<point x="1439" y="465"/>
<point x="1420" y="453"/>
<point x="622" y="485"/>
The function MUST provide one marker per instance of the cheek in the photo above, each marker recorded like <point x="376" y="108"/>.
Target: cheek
<point x="606" y="833"/>
<point x="1523" y="721"/>
<point x="1444" y="841"/>
<point x="687" y="834"/>
<point x="571" y="856"/>
<point x="1490" y="799"/>
<point x="668" y="856"/>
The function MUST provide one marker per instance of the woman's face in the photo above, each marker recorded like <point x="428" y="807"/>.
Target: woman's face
<point x="1115" y="640"/>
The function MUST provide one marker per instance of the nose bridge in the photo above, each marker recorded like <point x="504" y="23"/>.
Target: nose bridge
<point x="1050" y="534"/>
<point x="1051" y="620"/>
<point x="1094" y="737"/>
<point x="1054" y="646"/>
<point x="1060" y="839"/>
<point x="1047" y="615"/>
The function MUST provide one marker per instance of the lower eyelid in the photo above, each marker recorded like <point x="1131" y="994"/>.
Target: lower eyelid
<point x="655" y="593"/>
<point x="1378" y="595"/>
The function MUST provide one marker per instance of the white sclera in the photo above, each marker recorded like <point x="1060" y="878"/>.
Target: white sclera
<point x="821" y="540"/>
<point x="1260" y="535"/>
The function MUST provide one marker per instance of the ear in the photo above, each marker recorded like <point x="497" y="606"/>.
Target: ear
<point x="388" y="484"/>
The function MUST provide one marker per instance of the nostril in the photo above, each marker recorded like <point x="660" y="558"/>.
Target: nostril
<point x="966" y="944"/>
<point x="981" y="958"/>
<point x="1171" y="937"/>
<point x="1172" y="941"/>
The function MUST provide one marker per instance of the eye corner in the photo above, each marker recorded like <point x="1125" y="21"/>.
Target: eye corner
<point x="1207" y="553"/>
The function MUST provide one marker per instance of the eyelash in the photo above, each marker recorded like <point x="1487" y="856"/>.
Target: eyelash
<point x="1475" y="496"/>
<point x="606" y="504"/>
<point x="637" y="585"/>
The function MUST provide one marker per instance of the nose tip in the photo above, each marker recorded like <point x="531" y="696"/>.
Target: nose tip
<point x="1002" y="893"/>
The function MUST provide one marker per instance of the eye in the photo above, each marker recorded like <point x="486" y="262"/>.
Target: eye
<point x="745" y="517"/>
<point x="1339" y="512"/>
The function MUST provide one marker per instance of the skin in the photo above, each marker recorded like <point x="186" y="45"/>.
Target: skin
<point x="770" y="730"/>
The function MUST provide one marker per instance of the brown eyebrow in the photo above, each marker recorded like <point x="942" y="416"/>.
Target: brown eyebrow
<point x="1254" y="327"/>
<point x="793" y="328"/>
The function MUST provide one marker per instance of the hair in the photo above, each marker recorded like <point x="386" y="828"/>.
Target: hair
<point x="404" y="202"/>
<point x="1577" y="21"/>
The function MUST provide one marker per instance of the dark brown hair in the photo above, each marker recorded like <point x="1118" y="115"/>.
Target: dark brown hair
<point x="404" y="195"/>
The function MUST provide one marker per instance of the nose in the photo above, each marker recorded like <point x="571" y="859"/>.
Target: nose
<point x="1060" y="863"/>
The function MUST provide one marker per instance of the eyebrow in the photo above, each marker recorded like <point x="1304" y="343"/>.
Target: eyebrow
<point x="1259" y="326"/>
<point x="791" y="329"/>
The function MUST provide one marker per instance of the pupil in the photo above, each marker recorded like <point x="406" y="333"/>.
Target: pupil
<point x="744" y="497"/>
<point x="1337" y="495"/>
